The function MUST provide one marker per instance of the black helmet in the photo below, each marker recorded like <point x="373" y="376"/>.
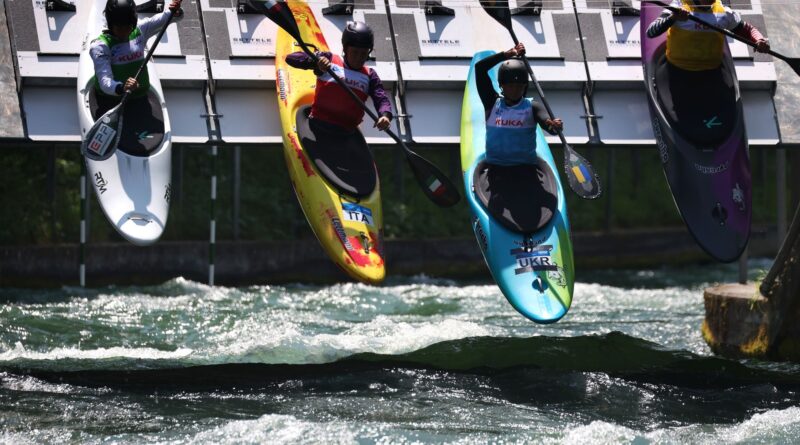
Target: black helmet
<point x="512" y="71"/>
<point x="120" y="12"/>
<point x="357" y="34"/>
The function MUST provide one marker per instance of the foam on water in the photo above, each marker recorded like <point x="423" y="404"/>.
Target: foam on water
<point x="485" y="374"/>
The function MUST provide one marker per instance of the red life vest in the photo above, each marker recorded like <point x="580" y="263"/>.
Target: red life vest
<point x="332" y="103"/>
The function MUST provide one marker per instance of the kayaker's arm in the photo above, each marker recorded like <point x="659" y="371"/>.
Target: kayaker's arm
<point x="152" y="25"/>
<point x="485" y="87"/>
<point x="101" y="58"/>
<point x="661" y="24"/>
<point x="552" y="126"/>
<point x="380" y="100"/>
<point x="303" y="61"/>
<point x="750" y="32"/>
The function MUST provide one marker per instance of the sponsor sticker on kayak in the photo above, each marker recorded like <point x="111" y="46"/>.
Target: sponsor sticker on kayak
<point x="534" y="259"/>
<point x="357" y="213"/>
<point x="337" y="227"/>
<point x="101" y="139"/>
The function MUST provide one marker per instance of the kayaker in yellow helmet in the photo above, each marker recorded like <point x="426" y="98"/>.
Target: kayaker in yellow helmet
<point x="694" y="47"/>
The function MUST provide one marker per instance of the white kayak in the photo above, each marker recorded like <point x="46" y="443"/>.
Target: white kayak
<point x="133" y="184"/>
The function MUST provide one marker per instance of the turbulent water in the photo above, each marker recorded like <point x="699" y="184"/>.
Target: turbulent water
<point x="414" y="361"/>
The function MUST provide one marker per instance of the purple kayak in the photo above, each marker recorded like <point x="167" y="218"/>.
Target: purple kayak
<point x="698" y="121"/>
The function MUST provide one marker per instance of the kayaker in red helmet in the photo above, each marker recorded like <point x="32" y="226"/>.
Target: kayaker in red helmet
<point x="120" y="50"/>
<point x="334" y="106"/>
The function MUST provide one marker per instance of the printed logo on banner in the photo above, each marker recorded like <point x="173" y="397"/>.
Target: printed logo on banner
<point x="252" y="40"/>
<point x="534" y="259"/>
<point x="440" y="42"/>
<point x="102" y="139"/>
<point x="357" y="213"/>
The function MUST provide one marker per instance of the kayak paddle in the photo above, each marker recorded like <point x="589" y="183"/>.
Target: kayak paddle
<point x="793" y="62"/>
<point x="102" y="139"/>
<point x="436" y="186"/>
<point x="582" y="179"/>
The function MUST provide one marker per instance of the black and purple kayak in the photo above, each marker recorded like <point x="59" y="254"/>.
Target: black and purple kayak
<point x="698" y="121"/>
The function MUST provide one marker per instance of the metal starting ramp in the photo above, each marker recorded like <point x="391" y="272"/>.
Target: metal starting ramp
<point x="613" y="54"/>
<point x="47" y="45"/>
<point x="585" y="56"/>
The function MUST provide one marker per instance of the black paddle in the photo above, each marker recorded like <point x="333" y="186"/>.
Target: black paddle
<point x="582" y="179"/>
<point x="793" y="62"/>
<point x="102" y="139"/>
<point x="436" y="186"/>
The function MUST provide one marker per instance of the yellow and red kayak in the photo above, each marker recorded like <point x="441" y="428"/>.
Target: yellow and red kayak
<point x="349" y="227"/>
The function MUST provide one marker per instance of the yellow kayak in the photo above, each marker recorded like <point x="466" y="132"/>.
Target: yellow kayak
<point x="333" y="174"/>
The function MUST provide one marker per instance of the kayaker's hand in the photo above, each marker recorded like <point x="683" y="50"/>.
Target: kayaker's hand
<point x="382" y="123"/>
<point x="324" y="64"/>
<point x="681" y="15"/>
<point x="131" y="84"/>
<point x="554" y="124"/>
<point x="762" y="46"/>
<point x="175" y="5"/>
<point x="518" y="50"/>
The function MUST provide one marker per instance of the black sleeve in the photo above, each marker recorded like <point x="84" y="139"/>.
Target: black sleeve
<point x="541" y="115"/>
<point x="661" y="24"/>
<point x="485" y="88"/>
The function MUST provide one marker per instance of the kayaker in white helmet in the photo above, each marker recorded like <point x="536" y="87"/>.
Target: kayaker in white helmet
<point x="694" y="47"/>
<point x="120" y="50"/>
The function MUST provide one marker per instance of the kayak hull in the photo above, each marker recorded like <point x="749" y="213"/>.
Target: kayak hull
<point x="133" y="191"/>
<point x="349" y="229"/>
<point x="710" y="183"/>
<point x="535" y="271"/>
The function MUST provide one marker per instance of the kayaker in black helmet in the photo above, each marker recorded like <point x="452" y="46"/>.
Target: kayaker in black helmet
<point x="334" y="106"/>
<point x="120" y="50"/>
<point x="511" y="118"/>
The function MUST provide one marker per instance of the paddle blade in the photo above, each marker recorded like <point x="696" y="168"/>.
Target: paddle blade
<point x="498" y="10"/>
<point x="102" y="139"/>
<point x="278" y="12"/>
<point x="582" y="179"/>
<point x="795" y="64"/>
<point x="436" y="186"/>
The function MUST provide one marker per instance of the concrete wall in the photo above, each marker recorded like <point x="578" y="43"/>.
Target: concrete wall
<point x="783" y="23"/>
<point x="10" y="116"/>
<point x="255" y="262"/>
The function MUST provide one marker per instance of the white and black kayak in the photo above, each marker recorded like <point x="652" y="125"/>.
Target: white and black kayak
<point x="133" y="184"/>
<point x="702" y="143"/>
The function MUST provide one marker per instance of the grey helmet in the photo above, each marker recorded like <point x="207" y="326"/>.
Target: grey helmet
<point x="512" y="71"/>
<point x="120" y="12"/>
<point x="357" y="34"/>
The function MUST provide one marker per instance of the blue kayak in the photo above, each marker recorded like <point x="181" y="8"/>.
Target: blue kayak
<point x="519" y="217"/>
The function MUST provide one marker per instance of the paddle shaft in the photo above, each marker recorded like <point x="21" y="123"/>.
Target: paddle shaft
<point x="148" y="56"/>
<point x="353" y="95"/>
<point x="538" y="87"/>
<point x="727" y="32"/>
